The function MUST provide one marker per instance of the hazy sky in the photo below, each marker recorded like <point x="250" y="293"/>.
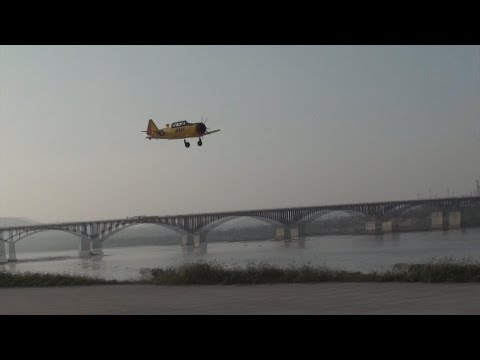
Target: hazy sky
<point x="300" y="125"/>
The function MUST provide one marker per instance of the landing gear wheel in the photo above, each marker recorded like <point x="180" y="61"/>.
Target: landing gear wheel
<point x="187" y="144"/>
<point x="199" y="142"/>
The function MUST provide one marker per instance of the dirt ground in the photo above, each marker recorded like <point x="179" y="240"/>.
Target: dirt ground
<point x="324" y="298"/>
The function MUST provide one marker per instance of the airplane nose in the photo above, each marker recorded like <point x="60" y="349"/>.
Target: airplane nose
<point x="201" y="129"/>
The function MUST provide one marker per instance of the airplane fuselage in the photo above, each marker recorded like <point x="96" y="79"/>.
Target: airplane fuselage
<point x="178" y="130"/>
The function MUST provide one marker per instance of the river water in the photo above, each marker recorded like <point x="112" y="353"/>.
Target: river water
<point x="349" y="252"/>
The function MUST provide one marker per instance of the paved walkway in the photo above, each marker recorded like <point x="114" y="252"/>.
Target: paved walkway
<point x="325" y="298"/>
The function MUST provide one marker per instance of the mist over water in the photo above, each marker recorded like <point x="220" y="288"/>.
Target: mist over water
<point x="357" y="253"/>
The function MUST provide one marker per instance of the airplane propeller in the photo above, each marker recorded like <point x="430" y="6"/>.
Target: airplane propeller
<point x="204" y="122"/>
<point x="203" y="129"/>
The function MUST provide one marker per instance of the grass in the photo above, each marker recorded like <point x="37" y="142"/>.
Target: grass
<point x="213" y="273"/>
<point x="203" y="273"/>
<point x="40" y="280"/>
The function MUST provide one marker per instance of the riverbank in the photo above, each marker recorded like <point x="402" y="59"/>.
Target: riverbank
<point x="214" y="273"/>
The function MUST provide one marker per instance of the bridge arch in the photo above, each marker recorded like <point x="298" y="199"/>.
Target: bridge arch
<point x="216" y="223"/>
<point x="318" y="214"/>
<point x="26" y="234"/>
<point x="123" y="227"/>
<point x="403" y="210"/>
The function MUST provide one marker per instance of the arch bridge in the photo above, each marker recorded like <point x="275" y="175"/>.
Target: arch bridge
<point x="194" y="227"/>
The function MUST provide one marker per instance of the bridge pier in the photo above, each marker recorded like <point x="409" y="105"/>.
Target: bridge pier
<point x="97" y="247"/>
<point x="201" y="249"/>
<point x="437" y="220"/>
<point x="84" y="247"/>
<point x="294" y="233"/>
<point x="297" y="232"/>
<point x="387" y="227"/>
<point x="371" y="227"/>
<point x="454" y="219"/>
<point x="199" y="238"/>
<point x="12" y="254"/>
<point x="282" y="233"/>
<point x="3" y="257"/>
<point x="187" y="239"/>
<point x="200" y="243"/>
<point x="186" y="244"/>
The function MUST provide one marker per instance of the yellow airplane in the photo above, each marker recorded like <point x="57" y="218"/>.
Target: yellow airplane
<point x="179" y="130"/>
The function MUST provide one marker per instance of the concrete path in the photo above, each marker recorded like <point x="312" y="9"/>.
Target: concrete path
<point x="325" y="298"/>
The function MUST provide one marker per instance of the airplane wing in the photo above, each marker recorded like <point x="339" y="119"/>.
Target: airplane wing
<point x="211" y="132"/>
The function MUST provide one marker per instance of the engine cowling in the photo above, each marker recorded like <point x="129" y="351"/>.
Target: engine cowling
<point x="201" y="129"/>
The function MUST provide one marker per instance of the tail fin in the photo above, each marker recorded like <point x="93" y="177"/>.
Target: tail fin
<point x="152" y="128"/>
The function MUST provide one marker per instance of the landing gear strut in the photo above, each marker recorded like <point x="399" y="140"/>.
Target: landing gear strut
<point x="199" y="142"/>
<point x="187" y="144"/>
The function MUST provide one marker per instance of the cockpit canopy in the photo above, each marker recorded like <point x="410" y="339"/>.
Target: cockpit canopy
<point x="179" y="123"/>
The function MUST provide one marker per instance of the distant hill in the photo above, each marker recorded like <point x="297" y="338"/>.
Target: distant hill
<point x="13" y="221"/>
